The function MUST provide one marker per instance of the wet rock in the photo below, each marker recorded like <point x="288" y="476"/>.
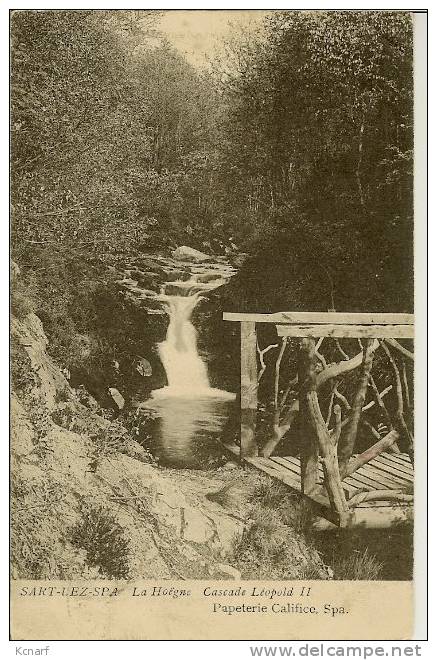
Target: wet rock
<point x="116" y="397"/>
<point x="149" y="280"/>
<point x="148" y="293"/>
<point x="127" y="281"/>
<point x="239" y="259"/>
<point x="144" y="367"/>
<point x="176" y="289"/>
<point x="171" y="275"/>
<point x="138" y="290"/>
<point x="185" y="253"/>
<point x="208" y="277"/>
<point x="150" y="265"/>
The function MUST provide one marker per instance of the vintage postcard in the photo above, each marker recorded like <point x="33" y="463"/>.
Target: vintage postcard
<point x="212" y="323"/>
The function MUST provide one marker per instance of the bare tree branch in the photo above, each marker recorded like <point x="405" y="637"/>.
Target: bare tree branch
<point x="399" y="418"/>
<point x="405" y="384"/>
<point x="261" y="353"/>
<point x="372" y="452"/>
<point x="340" y="349"/>
<point x="347" y="442"/>
<point x="277" y="370"/>
<point x="339" y="368"/>
<point x="337" y="431"/>
<point x="370" y="495"/>
<point x="400" y="348"/>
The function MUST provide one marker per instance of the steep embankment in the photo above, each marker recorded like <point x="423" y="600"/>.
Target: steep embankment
<point x="88" y="502"/>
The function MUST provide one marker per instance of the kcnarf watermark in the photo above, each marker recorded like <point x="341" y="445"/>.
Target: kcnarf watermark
<point x="24" y="650"/>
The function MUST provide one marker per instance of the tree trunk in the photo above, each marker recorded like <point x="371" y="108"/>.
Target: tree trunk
<point x="328" y="452"/>
<point x="315" y="435"/>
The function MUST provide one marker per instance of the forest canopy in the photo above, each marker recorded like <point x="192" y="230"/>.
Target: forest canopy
<point x="295" y="145"/>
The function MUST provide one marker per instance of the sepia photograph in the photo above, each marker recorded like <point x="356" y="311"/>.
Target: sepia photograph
<point x="212" y="301"/>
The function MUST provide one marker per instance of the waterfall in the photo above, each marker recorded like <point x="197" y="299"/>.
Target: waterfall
<point x="187" y="374"/>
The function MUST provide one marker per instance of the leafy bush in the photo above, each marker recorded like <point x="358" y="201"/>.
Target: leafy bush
<point x="139" y="424"/>
<point x="102" y="537"/>
<point x="23" y="378"/>
<point x="290" y="508"/>
<point x="360" y="565"/>
<point x="270" y="549"/>
<point x="40" y="417"/>
<point x="110" y="441"/>
<point x="23" y="294"/>
<point x="37" y="545"/>
<point x="273" y="546"/>
<point x="21" y="305"/>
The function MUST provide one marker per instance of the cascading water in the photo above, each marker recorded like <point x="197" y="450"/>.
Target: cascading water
<point x="186" y="372"/>
<point x="191" y="412"/>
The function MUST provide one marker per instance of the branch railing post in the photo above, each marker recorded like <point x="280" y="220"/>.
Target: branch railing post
<point x="309" y="449"/>
<point x="307" y="326"/>
<point x="249" y="390"/>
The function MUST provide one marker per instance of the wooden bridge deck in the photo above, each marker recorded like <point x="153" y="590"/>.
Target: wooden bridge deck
<point x="387" y="472"/>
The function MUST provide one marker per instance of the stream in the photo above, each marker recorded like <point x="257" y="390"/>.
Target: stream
<point x="190" y="413"/>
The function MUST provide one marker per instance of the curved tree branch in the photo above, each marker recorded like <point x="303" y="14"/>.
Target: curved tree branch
<point x="400" y="348"/>
<point x="339" y="368"/>
<point x="399" y="417"/>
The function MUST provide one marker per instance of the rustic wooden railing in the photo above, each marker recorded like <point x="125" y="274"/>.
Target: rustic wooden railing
<point x="306" y="326"/>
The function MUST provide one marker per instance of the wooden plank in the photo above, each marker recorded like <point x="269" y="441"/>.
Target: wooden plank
<point x="383" y="480"/>
<point x="249" y="390"/>
<point x="396" y="462"/>
<point x="319" y="500"/>
<point x="295" y="470"/>
<point x="405" y="471"/>
<point x="398" y="458"/>
<point x="285" y="476"/>
<point x="358" y="484"/>
<point x="293" y="460"/>
<point x="364" y="480"/>
<point x="370" y="479"/>
<point x="402" y="476"/>
<point x="346" y="331"/>
<point x="351" y="484"/>
<point x="322" y="317"/>
<point x="349" y="487"/>
<point x="380" y="477"/>
<point x="373" y="514"/>
<point x="281" y="460"/>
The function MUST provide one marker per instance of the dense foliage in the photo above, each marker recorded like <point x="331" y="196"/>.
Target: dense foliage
<point x="107" y="135"/>
<point x="295" y="146"/>
<point x="320" y="153"/>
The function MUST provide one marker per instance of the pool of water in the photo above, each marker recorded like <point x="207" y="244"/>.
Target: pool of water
<point x="187" y="430"/>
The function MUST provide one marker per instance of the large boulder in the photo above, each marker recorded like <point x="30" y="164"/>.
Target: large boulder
<point x="185" y="253"/>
